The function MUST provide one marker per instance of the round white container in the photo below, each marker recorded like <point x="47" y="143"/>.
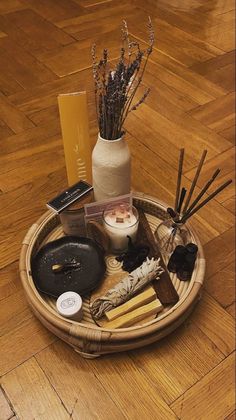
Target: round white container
<point x="69" y="305"/>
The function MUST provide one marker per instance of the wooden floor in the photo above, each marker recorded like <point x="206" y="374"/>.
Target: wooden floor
<point x="44" y="51"/>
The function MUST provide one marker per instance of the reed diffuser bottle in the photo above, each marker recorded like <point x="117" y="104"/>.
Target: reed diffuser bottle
<point x="173" y="231"/>
<point x="169" y="234"/>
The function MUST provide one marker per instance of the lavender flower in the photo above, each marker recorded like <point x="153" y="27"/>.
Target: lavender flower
<point x="115" y="89"/>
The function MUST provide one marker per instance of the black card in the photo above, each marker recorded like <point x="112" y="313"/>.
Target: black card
<point x="69" y="196"/>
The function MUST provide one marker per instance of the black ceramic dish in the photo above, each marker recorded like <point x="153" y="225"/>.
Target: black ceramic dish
<point x="81" y="266"/>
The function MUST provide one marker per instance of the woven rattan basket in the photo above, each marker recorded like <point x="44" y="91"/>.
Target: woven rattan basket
<point x="86" y="337"/>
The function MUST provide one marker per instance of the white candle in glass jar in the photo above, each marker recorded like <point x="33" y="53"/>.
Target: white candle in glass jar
<point x="120" y="222"/>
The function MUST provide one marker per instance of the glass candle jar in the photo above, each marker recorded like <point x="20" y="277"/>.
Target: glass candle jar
<point x="120" y="222"/>
<point x="72" y="219"/>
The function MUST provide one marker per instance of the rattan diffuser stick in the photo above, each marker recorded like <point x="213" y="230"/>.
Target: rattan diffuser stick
<point x="181" y="159"/>
<point x="210" y="197"/>
<point x="188" y="211"/>
<point x="202" y="192"/>
<point x="128" y="287"/>
<point x="195" y="180"/>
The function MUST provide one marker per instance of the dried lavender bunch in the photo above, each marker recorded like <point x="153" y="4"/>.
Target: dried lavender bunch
<point x="115" y="88"/>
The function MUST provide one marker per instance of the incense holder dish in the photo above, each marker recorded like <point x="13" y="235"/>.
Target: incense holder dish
<point x="68" y="264"/>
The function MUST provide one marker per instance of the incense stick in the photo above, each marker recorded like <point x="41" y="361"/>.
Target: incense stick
<point x="195" y="180"/>
<point x="202" y="192"/>
<point x="210" y="197"/>
<point x="181" y="159"/>
<point x="181" y="200"/>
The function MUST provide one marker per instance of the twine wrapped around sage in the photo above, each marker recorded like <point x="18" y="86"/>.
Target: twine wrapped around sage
<point x="128" y="287"/>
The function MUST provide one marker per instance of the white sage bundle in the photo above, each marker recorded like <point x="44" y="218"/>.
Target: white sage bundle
<point x="128" y="287"/>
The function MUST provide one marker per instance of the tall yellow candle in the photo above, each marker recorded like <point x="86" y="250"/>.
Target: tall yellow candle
<point x="75" y="133"/>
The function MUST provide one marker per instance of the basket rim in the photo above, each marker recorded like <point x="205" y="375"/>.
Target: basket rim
<point x="77" y="328"/>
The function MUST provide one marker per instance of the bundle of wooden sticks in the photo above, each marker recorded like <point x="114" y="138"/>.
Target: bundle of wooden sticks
<point x="189" y="209"/>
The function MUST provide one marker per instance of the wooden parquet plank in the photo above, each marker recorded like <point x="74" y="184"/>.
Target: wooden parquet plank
<point x="188" y="16"/>
<point x="185" y="81"/>
<point x="22" y="67"/>
<point x="41" y="97"/>
<point x="17" y="345"/>
<point x="5" y="409"/>
<point x="130" y="384"/>
<point x="33" y="137"/>
<point x="217" y="388"/>
<point x="33" y="32"/>
<point x="53" y="11"/>
<point x="73" y="379"/>
<point x="9" y="280"/>
<point x="103" y="25"/>
<point x="232" y="309"/>
<point x="90" y="3"/>
<point x="93" y="14"/>
<point x="220" y="70"/>
<point x="2" y="34"/>
<point x="179" y="361"/>
<point x="14" y="311"/>
<point x="163" y="94"/>
<point x="174" y="42"/>
<point x="219" y="253"/>
<point x="77" y="56"/>
<point x="181" y="129"/>
<point x="41" y="402"/>
<point x="218" y="114"/>
<point x="5" y="131"/>
<point x="230" y="204"/>
<point x="206" y="317"/>
<point x="8" y="85"/>
<point x="229" y="134"/>
<point x="232" y="416"/>
<point x="13" y="118"/>
<point x="41" y="160"/>
<point x="7" y="6"/>
<point x="219" y="8"/>
<point x="222" y="36"/>
<point x="221" y="285"/>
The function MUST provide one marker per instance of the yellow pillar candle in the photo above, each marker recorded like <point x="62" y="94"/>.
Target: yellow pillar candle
<point x="75" y="133"/>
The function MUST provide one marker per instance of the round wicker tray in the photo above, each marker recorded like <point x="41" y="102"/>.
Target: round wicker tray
<point x="86" y="337"/>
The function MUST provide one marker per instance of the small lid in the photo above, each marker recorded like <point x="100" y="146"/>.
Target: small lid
<point x="69" y="304"/>
<point x="180" y="250"/>
<point x="190" y="258"/>
<point x="69" y="196"/>
<point x="192" y="248"/>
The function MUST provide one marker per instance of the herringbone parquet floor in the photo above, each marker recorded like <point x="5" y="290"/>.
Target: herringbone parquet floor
<point x="44" y="51"/>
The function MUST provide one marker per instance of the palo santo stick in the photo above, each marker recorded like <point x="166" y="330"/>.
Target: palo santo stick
<point x="135" y="316"/>
<point x="181" y="159"/>
<point x="199" y="168"/>
<point x="141" y="299"/>
<point x="164" y="287"/>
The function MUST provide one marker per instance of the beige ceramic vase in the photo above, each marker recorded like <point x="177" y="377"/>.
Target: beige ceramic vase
<point x="111" y="168"/>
